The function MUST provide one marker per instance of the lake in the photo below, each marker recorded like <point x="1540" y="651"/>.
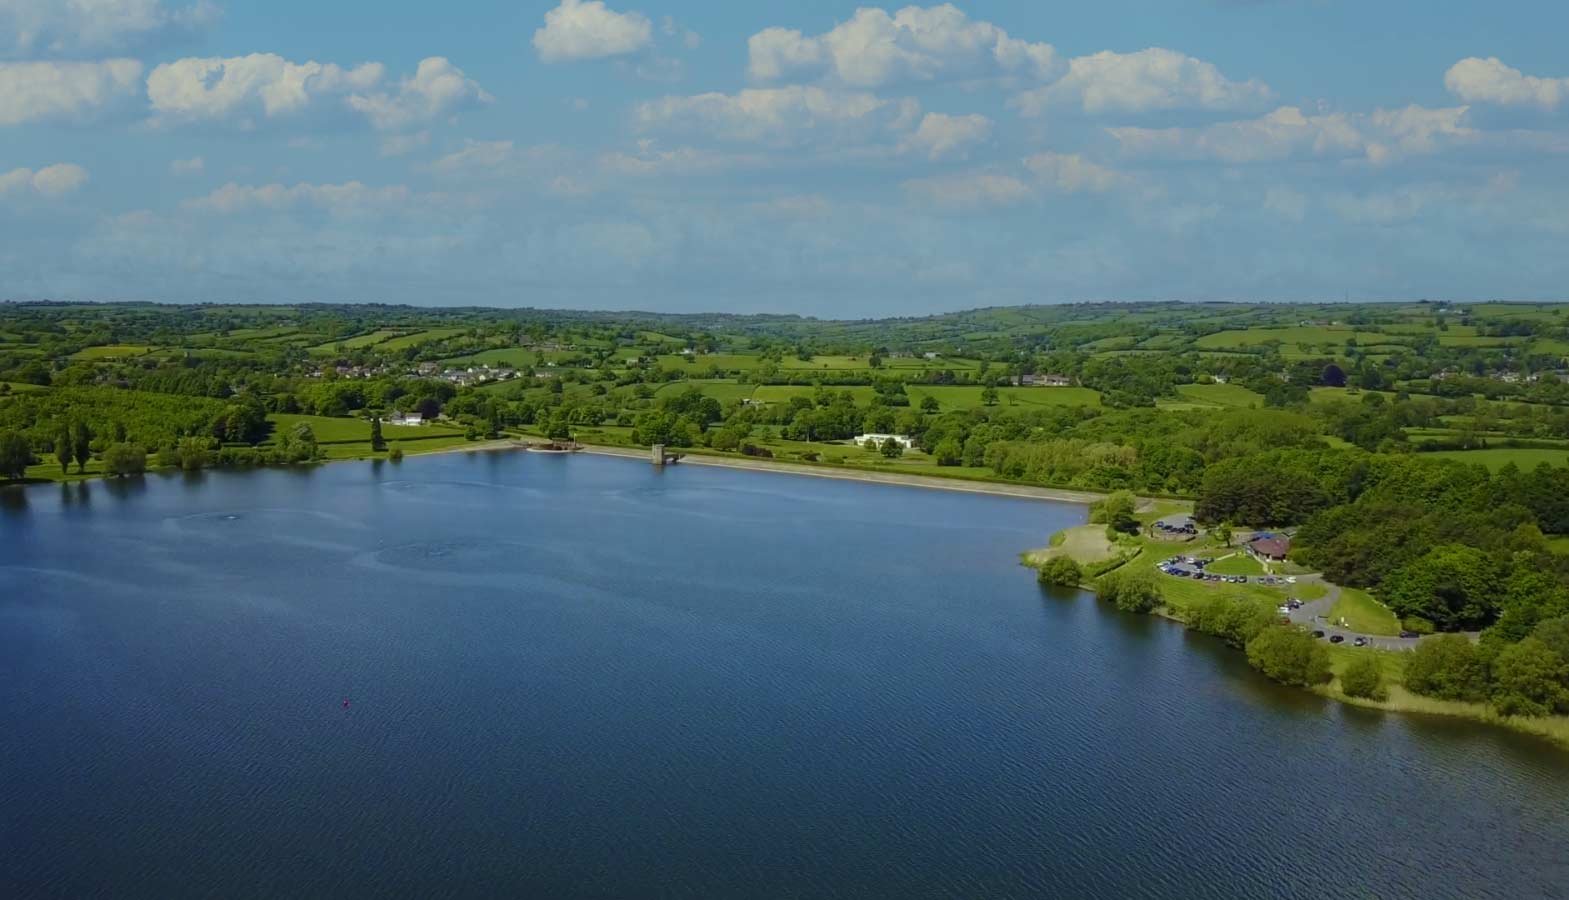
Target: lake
<point x="583" y="677"/>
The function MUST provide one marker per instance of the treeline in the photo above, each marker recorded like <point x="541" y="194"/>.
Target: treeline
<point x="1450" y="546"/>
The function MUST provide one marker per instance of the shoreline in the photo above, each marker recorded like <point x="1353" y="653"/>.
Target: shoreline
<point x="900" y="479"/>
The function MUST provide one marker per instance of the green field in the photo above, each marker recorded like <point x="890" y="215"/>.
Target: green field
<point x="1362" y="613"/>
<point x="420" y="337"/>
<point x="1219" y="395"/>
<point x="723" y="391"/>
<point x="356" y="342"/>
<point x="112" y="351"/>
<point x="781" y="393"/>
<point x="1559" y="543"/>
<point x="952" y="397"/>
<point x="1495" y="459"/>
<point x="1315" y="335"/>
<point x="727" y="362"/>
<point x="1237" y="564"/>
<point x="342" y="430"/>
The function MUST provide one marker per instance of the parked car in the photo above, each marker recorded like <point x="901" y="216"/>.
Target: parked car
<point x="1336" y="638"/>
<point x="1360" y="642"/>
<point x="1318" y="633"/>
<point x="1409" y="634"/>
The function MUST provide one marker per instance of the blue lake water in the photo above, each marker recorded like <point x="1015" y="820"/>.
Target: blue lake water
<point x="581" y="677"/>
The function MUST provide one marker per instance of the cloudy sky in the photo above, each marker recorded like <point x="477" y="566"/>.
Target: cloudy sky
<point x="802" y="156"/>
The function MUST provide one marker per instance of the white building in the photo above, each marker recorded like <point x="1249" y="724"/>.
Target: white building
<point x="412" y="418"/>
<point x="902" y="440"/>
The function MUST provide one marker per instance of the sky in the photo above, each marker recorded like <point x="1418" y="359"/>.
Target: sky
<point x="809" y="157"/>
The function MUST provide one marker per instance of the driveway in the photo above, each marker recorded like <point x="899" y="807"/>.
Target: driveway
<point x="1314" y="614"/>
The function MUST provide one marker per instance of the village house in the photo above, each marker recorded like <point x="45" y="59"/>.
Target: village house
<point x="412" y="418"/>
<point x="1273" y="547"/>
<point x="1042" y="381"/>
<point x="902" y="440"/>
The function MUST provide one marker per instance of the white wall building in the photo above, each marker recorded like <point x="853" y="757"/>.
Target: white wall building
<point x="902" y="440"/>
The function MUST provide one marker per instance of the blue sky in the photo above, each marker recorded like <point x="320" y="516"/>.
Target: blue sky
<point x="812" y="157"/>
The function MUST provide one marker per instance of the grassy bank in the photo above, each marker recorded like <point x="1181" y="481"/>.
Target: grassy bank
<point x="1180" y="597"/>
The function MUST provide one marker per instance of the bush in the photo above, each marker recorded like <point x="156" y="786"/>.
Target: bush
<point x="1116" y="513"/>
<point x="1289" y="655"/>
<point x="1235" y="621"/>
<point x="396" y="454"/>
<point x="1364" y="678"/>
<point x="1129" y="589"/>
<point x="1449" y="667"/>
<point x="1529" y="679"/>
<point x="1062" y="571"/>
<point x="1417" y="624"/>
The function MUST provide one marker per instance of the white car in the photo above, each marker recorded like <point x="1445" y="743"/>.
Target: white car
<point x="1291" y="579"/>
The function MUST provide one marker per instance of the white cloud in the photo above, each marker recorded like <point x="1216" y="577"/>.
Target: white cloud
<point x="261" y="83"/>
<point x="649" y="160"/>
<point x="437" y="89"/>
<point x="50" y="181"/>
<point x="403" y="144"/>
<point x="39" y="91"/>
<point x="587" y="29"/>
<point x="1287" y="133"/>
<point x="1146" y="81"/>
<point x="188" y="166"/>
<point x="476" y="156"/>
<point x="969" y="191"/>
<point x="941" y="136"/>
<point x="1477" y="80"/>
<point x="347" y="199"/>
<point x="780" y="116"/>
<point x="914" y="44"/>
<point x="265" y="86"/>
<point x="1286" y="203"/>
<point x="95" y="27"/>
<point x="1069" y="173"/>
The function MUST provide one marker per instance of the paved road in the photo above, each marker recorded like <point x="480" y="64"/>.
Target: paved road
<point x="1314" y="614"/>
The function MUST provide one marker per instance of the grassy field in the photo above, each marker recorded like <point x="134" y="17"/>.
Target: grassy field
<point x="420" y="337"/>
<point x="1083" y="544"/>
<point x="19" y="386"/>
<point x="112" y="351"/>
<point x="781" y="393"/>
<point x="723" y="391"/>
<point x="1362" y="613"/>
<point x="1316" y="335"/>
<point x="335" y="430"/>
<point x="1559" y="543"/>
<point x="729" y="362"/>
<point x="1496" y="459"/>
<point x="1219" y="395"/>
<point x="952" y="397"/>
<point x="1237" y="564"/>
<point x="356" y="342"/>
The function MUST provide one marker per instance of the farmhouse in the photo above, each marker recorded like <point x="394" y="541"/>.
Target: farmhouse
<point x="412" y="418"/>
<point x="1273" y="547"/>
<point x="1042" y="381"/>
<point x="902" y="440"/>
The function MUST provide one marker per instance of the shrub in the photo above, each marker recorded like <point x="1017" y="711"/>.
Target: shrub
<point x="1290" y="656"/>
<point x="396" y="454"/>
<point x="1063" y="571"/>
<point x="1129" y="589"/>
<point x="1417" y="624"/>
<point x="1448" y="667"/>
<point x="1364" y="678"/>
<point x="1529" y="679"/>
<point x="1234" y="620"/>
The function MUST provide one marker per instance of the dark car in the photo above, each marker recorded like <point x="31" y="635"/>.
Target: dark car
<point x="1409" y="634"/>
<point x="1318" y="634"/>
<point x="1336" y="638"/>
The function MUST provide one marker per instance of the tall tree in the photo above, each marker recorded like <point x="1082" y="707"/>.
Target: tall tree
<point x="15" y="454"/>
<point x="81" y="445"/>
<point x="62" y="448"/>
<point x="377" y="442"/>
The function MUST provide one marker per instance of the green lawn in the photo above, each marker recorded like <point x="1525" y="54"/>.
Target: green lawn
<point x="781" y="393"/>
<point x="724" y="391"/>
<point x="1238" y="564"/>
<point x="1559" y="543"/>
<point x="355" y="342"/>
<point x="19" y="386"/>
<point x="1316" y="335"/>
<point x="112" y="351"/>
<point x="727" y="362"/>
<point x="955" y="397"/>
<point x="420" y="337"/>
<point x="1328" y="394"/>
<point x="1496" y="459"/>
<point x="1220" y="395"/>
<point x="1363" y="613"/>
<point x="336" y="430"/>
